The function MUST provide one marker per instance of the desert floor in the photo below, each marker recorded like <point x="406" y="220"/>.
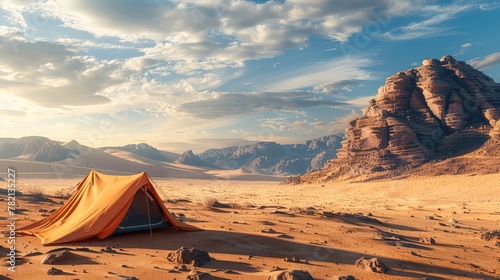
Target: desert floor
<point x="244" y="247"/>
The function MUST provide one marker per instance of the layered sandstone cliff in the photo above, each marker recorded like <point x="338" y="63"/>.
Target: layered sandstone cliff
<point x="441" y="109"/>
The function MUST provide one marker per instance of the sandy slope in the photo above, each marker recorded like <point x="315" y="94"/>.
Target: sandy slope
<point x="331" y="245"/>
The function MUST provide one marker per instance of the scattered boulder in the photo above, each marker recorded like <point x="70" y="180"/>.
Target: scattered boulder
<point x="292" y="275"/>
<point x="197" y="275"/>
<point x="491" y="235"/>
<point x="57" y="257"/>
<point x="55" y="271"/>
<point x="373" y="264"/>
<point x="192" y="256"/>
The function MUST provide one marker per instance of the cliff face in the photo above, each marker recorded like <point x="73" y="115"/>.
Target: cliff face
<point x="440" y="109"/>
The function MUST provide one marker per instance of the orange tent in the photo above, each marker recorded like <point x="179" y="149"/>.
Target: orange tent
<point x="101" y="205"/>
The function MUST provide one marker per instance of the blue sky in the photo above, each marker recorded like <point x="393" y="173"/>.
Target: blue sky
<point x="204" y="74"/>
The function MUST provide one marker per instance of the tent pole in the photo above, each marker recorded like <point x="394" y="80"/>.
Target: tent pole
<point x="149" y="216"/>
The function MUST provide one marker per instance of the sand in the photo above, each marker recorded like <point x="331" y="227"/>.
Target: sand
<point x="269" y="222"/>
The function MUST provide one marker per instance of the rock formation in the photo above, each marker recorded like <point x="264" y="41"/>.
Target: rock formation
<point x="440" y="109"/>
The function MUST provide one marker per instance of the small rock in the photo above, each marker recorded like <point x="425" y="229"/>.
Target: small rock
<point x="57" y="257"/>
<point x="192" y="256"/>
<point x="184" y="268"/>
<point x="374" y="265"/>
<point x="292" y="259"/>
<point x="428" y="217"/>
<point x="55" y="271"/>
<point x="292" y="275"/>
<point x="197" y="275"/>
<point x="453" y="221"/>
<point x="491" y="235"/>
<point x="413" y="254"/>
<point x="347" y="277"/>
<point x="269" y="230"/>
<point x="429" y="240"/>
<point x="108" y="250"/>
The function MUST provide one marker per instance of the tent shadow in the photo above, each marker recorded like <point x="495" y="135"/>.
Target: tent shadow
<point x="225" y="242"/>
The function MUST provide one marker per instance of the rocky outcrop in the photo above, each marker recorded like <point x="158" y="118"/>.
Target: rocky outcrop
<point x="440" y="109"/>
<point x="34" y="148"/>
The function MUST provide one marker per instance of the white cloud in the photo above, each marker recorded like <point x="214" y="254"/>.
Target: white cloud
<point x="50" y="75"/>
<point x="432" y="24"/>
<point x="337" y="86"/>
<point x="232" y="104"/>
<point x="466" y="45"/>
<point x="485" y="62"/>
<point x="341" y="69"/>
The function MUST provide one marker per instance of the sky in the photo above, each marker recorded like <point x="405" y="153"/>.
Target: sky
<point x="203" y="74"/>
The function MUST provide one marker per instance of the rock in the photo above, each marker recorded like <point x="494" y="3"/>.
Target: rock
<point x="55" y="271"/>
<point x="440" y="109"/>
<point x="292" y="275"/>
<point x="494" y="234"/>
<point x="374" y="265"/>
<point x="429" y="240"/>
<point x="197" y="275"/>
<point x="292" y="259"/>
<point x="413" y="253"/>
<point x="347" y="277"/>
<point x="453" y="221"/>
<point x="192" y="256"/>
<point x="57" y="257"/>
<point x="268" y="230"/>
<point x="108" y="250"/>
<point x="428" y="218"/>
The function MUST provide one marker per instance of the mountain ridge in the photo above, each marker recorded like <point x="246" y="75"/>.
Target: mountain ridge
<point x="274" y="158"/>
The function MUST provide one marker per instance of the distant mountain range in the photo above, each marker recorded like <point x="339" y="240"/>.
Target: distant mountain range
<point x="267" y="158"/>
<point x="147" y="151"/>
<point x="34" y="148"/>
<point x="276" y="159"/>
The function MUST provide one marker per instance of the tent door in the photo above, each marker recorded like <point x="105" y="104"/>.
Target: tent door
<point x="140" y="215"/>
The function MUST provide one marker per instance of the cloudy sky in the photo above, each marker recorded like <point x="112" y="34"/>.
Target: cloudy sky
<point x="211" y="73"/>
